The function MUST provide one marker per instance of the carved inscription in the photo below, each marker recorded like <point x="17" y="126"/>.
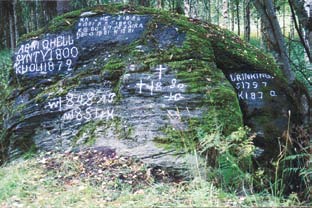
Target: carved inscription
<point x="252" y="86"/>
<point x="107" y="27"/>
<point x="91" y="105"/>
<point x="52" y="54"/>
<point x="171" y="89"/>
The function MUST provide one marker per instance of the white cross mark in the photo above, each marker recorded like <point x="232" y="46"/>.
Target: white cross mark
<point x="160" y="69"/>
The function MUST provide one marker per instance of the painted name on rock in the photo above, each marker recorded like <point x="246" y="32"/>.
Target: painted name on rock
<point x="58" y="53"/>
<point x="122" y="28"/>
<point x="253" y="87"/>
<point x="52" y="54"/>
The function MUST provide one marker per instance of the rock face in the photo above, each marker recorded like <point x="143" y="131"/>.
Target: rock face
<point x="136" y="81"/>
<point x="267" y="101"/>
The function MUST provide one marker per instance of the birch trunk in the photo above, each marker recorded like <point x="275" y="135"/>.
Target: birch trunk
<point x="187" y="8"/>
<point x="208" y="5"/>
<point x="225" y="13"/>
<point x="232" y="16"/>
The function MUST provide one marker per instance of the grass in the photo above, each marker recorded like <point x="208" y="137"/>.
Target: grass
<point x="27" y="183"/>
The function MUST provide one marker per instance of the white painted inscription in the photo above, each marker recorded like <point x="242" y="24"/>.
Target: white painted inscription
<point x="172" y="91"/>
<point x="252" y="86"/>
<point x="109" y="25"/>
<point x="49" y="55"/>
<point x="92" y="105"/>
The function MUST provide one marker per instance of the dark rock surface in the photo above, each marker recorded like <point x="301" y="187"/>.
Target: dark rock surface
<point x="267" y="102"/>
<point x="130" y="80"/>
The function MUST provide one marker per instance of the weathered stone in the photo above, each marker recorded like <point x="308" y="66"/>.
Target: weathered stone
<point x="268" y="103"/>
<point x="133" y="80"/>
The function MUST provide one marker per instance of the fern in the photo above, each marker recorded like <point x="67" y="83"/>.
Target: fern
<point x="229" y="170"/>
<point x="230" y="155"/>
<point x="297" y="156"/>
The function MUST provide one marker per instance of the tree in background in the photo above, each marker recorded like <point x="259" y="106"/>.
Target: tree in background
<point x="302" y="10"/>
<point x="273" y="36"/>
<point x="62" y="7"/>
<point x="8" y="24"/>
<point x="247" y="20"/>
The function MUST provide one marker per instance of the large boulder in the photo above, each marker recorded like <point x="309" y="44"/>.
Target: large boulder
<point x="141" y="82"/>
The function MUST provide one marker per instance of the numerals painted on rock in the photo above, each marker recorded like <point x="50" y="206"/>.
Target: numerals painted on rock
<point x="152" y="87"/>
<point x="49" y="55"/>
<point x="89" y="113"/>
<point x="109" y="25"/>
<point x="174" y="91"/>
<point x="252" y="86"/>
<point x="87" y="106"/>
<point x="174" y="97"/>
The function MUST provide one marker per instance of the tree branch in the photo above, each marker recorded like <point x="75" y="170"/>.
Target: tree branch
<point x="306" y="47"/>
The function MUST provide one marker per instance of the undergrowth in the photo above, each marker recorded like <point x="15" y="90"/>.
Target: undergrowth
<point x="5" y="66"/>
<point x="29" y="183"/>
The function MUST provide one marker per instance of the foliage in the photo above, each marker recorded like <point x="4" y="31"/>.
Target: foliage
<point x="230" y="155"/>
<point x="301" y="67"/>
<point x="5" y="66"/>
<point x="295" y="163"/>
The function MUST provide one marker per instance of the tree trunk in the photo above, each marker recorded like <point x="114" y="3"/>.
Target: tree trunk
<point x="7" y="37"/>
<point x="196" y="8"/>
<point x="62" y="7"/>
<point x="217" y="9"/>
<point x="304" y="40"/>
<point x="247" y="20"/>
<point x="179" y="7"/>
<point x="15" y="22"/>
<point x="187" y="8"/>
<point x="2" y="32"/>
<point x="11" y="25"/>
<point x="273" y="36"/>
<point x="209" y="11"/>
<point x="237" y="17"/>
<point x="225" y="13"/>
<point x="5" y="23"/>
<point x="37" y="15"/>
<point x="145" y="3"/>
<point x="159" y="4"/>
<point x="305" y="21"/>
<point x="232" y="16"/>
<point x="284" y="19"/>
<point x="291" y="34"/>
